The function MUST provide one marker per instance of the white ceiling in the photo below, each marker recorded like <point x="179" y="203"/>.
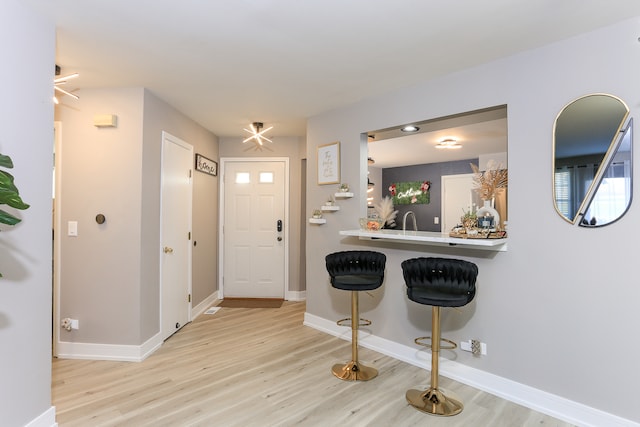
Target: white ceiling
<point x="228" y="63"/>
<point x="475" y="139"/>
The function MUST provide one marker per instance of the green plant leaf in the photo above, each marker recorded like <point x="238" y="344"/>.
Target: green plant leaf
<point x="7" y="218"/>
<point x="5" y="161"/>
<point x="12" y="199"/>
<point x="6" y="182"/>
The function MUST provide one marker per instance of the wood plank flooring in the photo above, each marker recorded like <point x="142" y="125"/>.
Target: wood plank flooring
<point x="259" y="367"/>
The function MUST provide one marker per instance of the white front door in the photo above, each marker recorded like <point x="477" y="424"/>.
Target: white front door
<point x="254" y="228"/>
<point x="175" y="234"/>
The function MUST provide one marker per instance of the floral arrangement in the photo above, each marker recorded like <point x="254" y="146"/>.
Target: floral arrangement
<point x="490" y="182"/>
<point x="386" y="213"/>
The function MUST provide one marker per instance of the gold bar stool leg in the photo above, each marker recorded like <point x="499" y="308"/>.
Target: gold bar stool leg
<point x="434" y="400"/>
<point x="354" y="371"/>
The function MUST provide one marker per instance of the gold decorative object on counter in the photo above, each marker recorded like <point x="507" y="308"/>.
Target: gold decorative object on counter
<point x="490" y="182"/>
<point x="475" y="233"/>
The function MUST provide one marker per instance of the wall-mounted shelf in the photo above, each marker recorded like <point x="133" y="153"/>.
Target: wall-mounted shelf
<point x="343" y="195"/>
<point x="317" y="220"/>
<point x="428" y="238"/>
<point x="327" y="208"/>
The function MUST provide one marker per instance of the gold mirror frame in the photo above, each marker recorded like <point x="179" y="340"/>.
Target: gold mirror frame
<point x="587" y="134"/>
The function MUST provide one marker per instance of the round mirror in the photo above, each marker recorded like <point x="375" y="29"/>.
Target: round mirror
<point x="592" y="160"/>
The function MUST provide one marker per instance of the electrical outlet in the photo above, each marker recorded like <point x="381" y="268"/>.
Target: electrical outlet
<point x="436" y="220"/>
<point x="474" y="346"/>
<point x="75" y="324"/>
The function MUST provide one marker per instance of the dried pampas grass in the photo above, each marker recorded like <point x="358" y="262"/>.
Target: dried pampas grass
<point x="386" y="212"/>
<point x="490" y="182"/>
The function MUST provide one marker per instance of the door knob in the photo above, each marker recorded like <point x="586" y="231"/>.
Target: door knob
<point x="279" y="239"/>
<point x="168" y="250"/>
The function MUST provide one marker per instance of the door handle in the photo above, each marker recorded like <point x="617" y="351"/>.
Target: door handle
<point x="279" y="225"/>
<point x="168" y="250"/>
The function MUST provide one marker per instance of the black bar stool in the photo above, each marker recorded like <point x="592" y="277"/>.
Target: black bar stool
<point x="355" y="271"/>
<point x="438" y="282"/>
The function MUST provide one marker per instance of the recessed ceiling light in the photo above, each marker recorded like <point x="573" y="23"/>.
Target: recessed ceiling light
<point x="410" y="128"/>
<point x="449" y="143"/>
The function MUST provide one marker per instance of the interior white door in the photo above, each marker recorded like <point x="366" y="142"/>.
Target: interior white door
<point x="457" y="196"/>
<point x="175" y="234"/>
<point x="254" y="231"/>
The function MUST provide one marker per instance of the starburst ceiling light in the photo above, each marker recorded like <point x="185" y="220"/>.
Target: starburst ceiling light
<point x="257" y="135"/>
<point x="58" y="81"/>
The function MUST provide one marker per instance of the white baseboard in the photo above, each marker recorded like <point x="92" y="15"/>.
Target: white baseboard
<point x="296" y="295"/>
<point x="206" y="303"/>
<point x="538" y="400"/>
<point x="46" y="419"/>
<point x="123" y="353"/>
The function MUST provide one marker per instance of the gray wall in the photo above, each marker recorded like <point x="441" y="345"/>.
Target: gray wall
<point x="110" y="272"/>
<point x="553" y="308"/>
<point x="28" y="51"/>
<point x="158" y="117"/>
<point x="294" y="149"/>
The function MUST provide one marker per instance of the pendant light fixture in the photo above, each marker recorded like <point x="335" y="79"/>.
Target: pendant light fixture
<point x="257" y="135"/>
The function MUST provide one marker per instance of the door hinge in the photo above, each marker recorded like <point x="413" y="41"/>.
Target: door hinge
<point x="189" y="173"/>
<point x="189" y="299"/>
<point x="189" y="236"/>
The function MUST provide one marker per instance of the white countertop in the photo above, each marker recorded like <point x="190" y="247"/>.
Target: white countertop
<point x="428" y="238"/>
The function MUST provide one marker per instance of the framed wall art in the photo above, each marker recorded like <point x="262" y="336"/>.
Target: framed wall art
<point x="329" y="163"/>
<point x="206" y="165"/>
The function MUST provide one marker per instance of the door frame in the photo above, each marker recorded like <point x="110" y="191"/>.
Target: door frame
<point x="223" y="164"/>
<point x="166" y="136"/>
<point x="57" y="241"/>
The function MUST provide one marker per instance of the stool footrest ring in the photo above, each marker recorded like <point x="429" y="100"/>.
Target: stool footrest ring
<point x="421" y="341"/>
<point x="347" y="322"/>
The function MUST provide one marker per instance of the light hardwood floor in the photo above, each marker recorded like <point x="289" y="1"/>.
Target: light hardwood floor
<point x="259" y="367"/>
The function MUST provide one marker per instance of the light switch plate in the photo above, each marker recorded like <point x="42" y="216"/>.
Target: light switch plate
<point x="72" y="228"/>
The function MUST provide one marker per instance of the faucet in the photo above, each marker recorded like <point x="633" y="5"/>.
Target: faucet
<point x="404" y="221"/>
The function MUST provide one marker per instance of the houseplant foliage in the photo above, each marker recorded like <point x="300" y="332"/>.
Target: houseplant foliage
<point x="9" y="194"/>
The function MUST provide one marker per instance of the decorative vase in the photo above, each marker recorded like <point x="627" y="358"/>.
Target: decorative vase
<point x="488" y="217"/>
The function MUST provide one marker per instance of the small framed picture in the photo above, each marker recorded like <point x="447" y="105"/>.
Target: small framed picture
<point x="205" y="165"/>
<point x="329" y="163"/>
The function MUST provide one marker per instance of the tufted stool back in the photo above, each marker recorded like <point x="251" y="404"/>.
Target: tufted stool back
<point x="356" y="270"/>
<point x="440" y="282"/>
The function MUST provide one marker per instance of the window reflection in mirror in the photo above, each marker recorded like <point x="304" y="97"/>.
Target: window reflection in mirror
<point x="592" y="160"/>
<point x="397" y="156"/>
<point x="613" y="195"/>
